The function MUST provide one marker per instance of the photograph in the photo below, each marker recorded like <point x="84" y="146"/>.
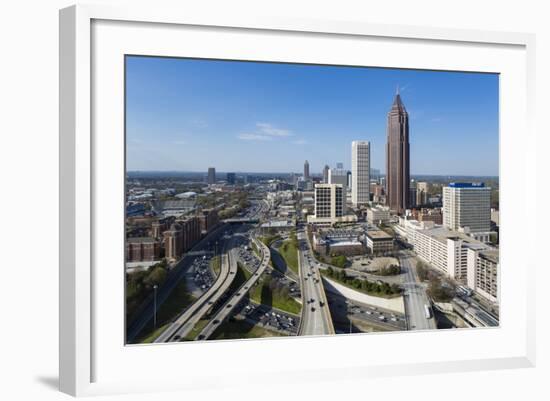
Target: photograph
<point x="270" y="199"/>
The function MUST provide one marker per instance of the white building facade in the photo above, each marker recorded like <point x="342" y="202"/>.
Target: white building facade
<point x="360" y="172"/>
<point x="378" y="214"/>
<point x="442" y="248"/>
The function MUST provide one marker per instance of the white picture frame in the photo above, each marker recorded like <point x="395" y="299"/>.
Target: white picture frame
<point x="88" y="366"/>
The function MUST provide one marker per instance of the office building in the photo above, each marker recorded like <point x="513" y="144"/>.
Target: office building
<point x="467" y="208"/>
<point x="360" y="172"/>
<point x="375" y="175"/>
<point x="329" y="205"/>
<point x="412" y="197"/>
<point x="306" y="170"/>
<point x="325" y="174"/>
<point x="338" y="176"/>
<point x="211" y="175"/>
<point x="397" y="158"/>
<point x="379" y="241"/>
<point x="422" y="193"/>
<point x="378" y="215"/>
<point x="231" y="178"/>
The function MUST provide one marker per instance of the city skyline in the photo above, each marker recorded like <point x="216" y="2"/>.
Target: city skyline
<point x="179" y="107"/>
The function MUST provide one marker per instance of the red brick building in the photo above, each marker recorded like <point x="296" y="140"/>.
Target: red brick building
<point x="142" y="249"/>
<point x="208" y="219"/>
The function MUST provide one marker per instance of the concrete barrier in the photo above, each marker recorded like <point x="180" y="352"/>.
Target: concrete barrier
<point x="395" y="304"/>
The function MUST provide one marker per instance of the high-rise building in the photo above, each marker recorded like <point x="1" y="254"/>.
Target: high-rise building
<point x="231" y="178"/>
<point x="340" y="165"/>
<point x="360" y="172"/>
<point x="329" y="204"/>
<point x="338" y="176"/>
<point x="325" y="174"/>
<point x="375" y="174"/>
<point x="306" y="170"/>
<point x="467" y="207"/>
<point x="211" y="175"/>
<point x="397" y="158"/>
<point x="422" y="191"/>
<point x="412" y="196"/>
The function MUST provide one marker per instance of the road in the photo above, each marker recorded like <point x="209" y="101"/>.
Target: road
<point x="187" y="320"/>
<point x="229" y="306"/>
<point x="174" y="276"/>
<point x="316" y="319"/>
<point x="415" y="297"/>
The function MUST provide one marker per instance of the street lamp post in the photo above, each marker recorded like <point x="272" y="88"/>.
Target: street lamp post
<point x="155" y="307"/>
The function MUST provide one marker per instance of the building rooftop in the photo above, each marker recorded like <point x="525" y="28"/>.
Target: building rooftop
<point x="442" y="234"/>
<point x="467" y="185"/>
<point x="378" y="235"/>
<point x="278" y="223"/>
<point x="337" y="243"/>
<point x="141" y="240"/>
<point x="491" y="254"/>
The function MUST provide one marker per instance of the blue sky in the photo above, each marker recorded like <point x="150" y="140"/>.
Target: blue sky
<point x="187" y="115"/>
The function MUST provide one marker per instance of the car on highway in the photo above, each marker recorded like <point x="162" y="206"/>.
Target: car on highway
<point x="216" y="321"/>
<point x="313" y="309"/>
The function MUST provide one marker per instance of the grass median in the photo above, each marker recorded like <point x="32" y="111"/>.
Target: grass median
<point x="273" y="294"/>
<point x="289" y="252"/>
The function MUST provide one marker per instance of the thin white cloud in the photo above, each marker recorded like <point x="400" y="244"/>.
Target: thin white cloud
<point x="270" y="130"/>
<point x="299" y="142"/>
<point x="404" y="88"/>
<point x="254" y="137"/>
<point x="179" y="142"/>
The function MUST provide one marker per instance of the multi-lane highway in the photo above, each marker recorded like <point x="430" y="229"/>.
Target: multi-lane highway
<point x="415" y="297"/>
<point x="316" y="319"/>
<point x="174" y="276"/>
<point x="187" y="320"/>
<point x="229" y="306"/>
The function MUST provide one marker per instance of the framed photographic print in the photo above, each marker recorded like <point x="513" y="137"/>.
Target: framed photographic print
<point x="324" y="195"/>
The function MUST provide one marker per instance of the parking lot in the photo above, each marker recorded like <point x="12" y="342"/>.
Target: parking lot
<point x="270" y="318"/>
